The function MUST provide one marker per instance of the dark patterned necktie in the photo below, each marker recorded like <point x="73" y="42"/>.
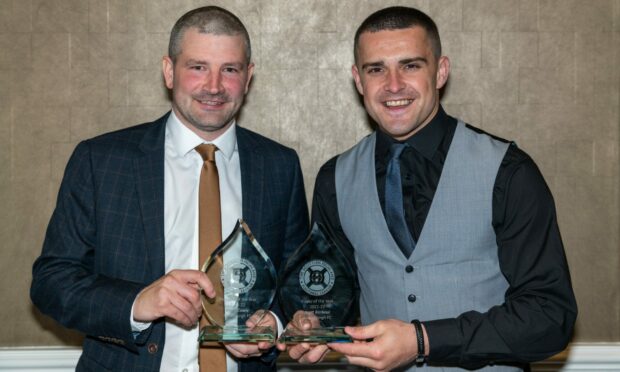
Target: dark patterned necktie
<point x="394" y="212"/>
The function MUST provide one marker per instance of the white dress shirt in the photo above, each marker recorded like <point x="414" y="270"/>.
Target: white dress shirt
<point x="182" y="166"/>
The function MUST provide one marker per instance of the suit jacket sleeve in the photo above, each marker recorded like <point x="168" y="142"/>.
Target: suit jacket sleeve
<point x="67" y="284"/>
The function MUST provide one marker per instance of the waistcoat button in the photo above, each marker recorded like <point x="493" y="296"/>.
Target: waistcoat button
<point x="412" y="298"/>
<point x="409" y="268"/>
<point x="152" y="348"/>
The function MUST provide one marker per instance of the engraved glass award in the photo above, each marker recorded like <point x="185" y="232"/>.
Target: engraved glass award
<point x="318" y="287"/>
<point x="245" y="283"/>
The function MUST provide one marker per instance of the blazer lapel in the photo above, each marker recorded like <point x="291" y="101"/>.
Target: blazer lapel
<point x="149" y="170"/>
<point x="252" y="178"/>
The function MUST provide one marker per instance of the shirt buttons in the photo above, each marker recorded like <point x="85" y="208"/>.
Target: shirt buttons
<point x="412" y="298"/>
<point x="184" y="370"/>
<point x="409" y="269"/>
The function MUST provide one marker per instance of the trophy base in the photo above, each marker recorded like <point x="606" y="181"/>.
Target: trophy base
<point x="315" y="336"/>
<point x="236" y="334"/>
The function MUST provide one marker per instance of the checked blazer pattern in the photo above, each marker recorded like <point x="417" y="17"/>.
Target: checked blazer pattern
<point x="105" y="240"/>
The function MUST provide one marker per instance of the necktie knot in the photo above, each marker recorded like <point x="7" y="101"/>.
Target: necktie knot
<point x="396" y="150"/>
<point x="207" y="151"/>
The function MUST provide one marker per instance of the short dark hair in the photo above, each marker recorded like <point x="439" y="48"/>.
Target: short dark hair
<point x="208" y="20"/>
<point x="397" y="18"/>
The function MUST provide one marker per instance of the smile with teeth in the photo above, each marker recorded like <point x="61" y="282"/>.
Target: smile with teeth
<point x="211" y="103"/>
<point x="396" y="103"/>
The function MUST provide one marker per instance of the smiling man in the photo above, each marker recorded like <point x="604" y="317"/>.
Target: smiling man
<point x="454" y="232"/>
<point x="139" y="209"/>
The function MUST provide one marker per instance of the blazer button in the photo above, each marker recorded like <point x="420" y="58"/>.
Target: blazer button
<point x="409" y="269"/>
<point x="412" y="298"/>
<point x="152" y="348"/>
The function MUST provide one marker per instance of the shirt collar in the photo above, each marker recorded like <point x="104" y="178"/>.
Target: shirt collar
<point x="184" y="140"/>
<point x="426" y="141"/>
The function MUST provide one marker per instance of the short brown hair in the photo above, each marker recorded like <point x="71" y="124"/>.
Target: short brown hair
<point x="397" y="18"/>
<point x="208" y="20"/>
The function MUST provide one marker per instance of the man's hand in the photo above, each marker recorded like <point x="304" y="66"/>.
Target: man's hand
<point x="393" y="344"/>
<point x="305" y="352"/>
<point x="247" y="350"/>
<point x="175" y="295"/>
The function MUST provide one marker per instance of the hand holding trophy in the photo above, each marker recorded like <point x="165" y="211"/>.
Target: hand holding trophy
<point x="245" y="283"/>
<point x="318" y="291"/>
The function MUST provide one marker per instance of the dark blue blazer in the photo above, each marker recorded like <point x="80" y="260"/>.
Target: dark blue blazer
<point x="105" y="240"/>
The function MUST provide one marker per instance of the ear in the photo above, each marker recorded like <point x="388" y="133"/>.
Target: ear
<point x="443" y="70"/>
<point x="250" y="74"/>
<point x="358" y="80"/>
<point x="168" y="70"/>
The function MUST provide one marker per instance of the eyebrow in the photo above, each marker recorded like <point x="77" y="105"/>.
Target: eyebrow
<point x="195" y="62"/>
<point x="373" y="64"/>
<point x="412" y="60"/>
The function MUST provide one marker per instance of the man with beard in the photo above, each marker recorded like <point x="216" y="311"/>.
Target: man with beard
<point x="454" y="232"/>
<point x="121" y="255"/>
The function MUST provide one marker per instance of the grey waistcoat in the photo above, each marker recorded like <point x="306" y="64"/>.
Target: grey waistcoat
<point x="455" y="261"/>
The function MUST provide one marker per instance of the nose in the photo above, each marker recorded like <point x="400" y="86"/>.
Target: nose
<point x="394" y="81"/>
<point x="213" y="82"/>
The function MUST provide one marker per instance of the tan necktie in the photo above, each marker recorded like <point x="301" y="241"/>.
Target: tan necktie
<point x="211" y="358"/>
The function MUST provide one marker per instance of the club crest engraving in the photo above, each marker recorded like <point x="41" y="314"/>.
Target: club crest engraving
<point x="238" y="276"/>
<point x="317" y="278"/>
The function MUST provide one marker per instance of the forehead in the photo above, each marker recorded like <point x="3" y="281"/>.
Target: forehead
<point x="196" y="44"/>
<point x="384" y="44"/>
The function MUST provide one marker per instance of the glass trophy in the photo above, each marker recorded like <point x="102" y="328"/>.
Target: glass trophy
<point x="318" y="287"/>
<point x="245" y="283"/>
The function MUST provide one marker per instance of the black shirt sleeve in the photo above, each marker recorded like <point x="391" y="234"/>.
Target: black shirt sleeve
<point x="325" y="207"/>
<point x="325" y="212"/>
<point x="324" y="203"/>
<point x="536" y="320"/>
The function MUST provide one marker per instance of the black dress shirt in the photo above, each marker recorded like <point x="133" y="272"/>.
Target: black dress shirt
<point x="536" y="320"/>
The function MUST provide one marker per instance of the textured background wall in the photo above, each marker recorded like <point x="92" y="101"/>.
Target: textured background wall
<point x="542" y="72"/>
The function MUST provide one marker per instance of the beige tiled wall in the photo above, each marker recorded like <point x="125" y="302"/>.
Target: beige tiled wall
<point x="542" y="72"/>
